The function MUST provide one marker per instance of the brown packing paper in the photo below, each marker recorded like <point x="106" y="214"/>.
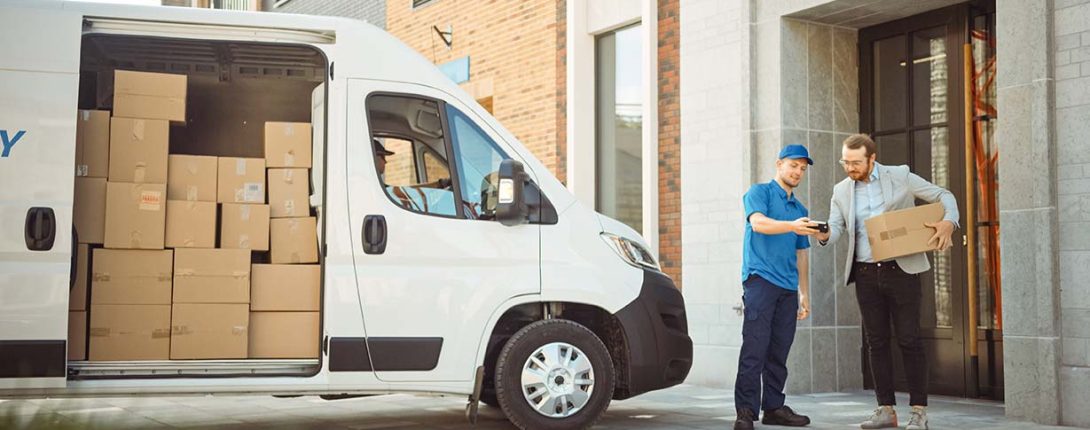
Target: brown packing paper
<point x="135" y="215"/>
<point x="77" y="298"/>
<point x="138" y="150"/>
<point x="283" y="335"/>
<point x="294" y="240"/>
<point x="77" y="335"/>
<point x="241" y="180"/>
<point x="289" y="193"/>
<point x="244" y="226"/>
<point x="209" y="331"/>
<point x="129" y="332"/>
<point x="131" y="277"/>
<point x="211" y="276"/>
<point x="89" y="209"/>
<point x="899" y="233"/>
<point x="288" y="144"/>
<point x="285" y="287"/>
<point x="191" y="224"/>
<point x="149" y="95"/>
<point x="93" y="143"/>
<point x="192" y="178"/>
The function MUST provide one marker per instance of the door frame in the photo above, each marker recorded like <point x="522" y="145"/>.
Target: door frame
<point x="956" y="20"/>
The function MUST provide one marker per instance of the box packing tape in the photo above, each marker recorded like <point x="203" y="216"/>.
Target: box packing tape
<point x="240" y="167"/>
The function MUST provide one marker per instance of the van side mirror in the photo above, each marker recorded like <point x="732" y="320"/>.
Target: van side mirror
<point x="511" y="208"/>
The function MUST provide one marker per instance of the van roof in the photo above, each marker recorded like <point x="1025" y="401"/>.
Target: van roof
<point x="358" y="48"/>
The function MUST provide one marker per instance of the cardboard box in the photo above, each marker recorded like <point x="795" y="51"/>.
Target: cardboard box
<point x="899" y="233"/>
<point x="191" y="224"/>
<point x="285" y="287"/>
<point x="77" y="335"/>
<point x="131" y="277"/>
<point x="211" y="276"/>
<point x="89" y="209"/>
<point x="77" y="298"/>
<point x="294" y="240"/>
<point x="93" y="143"/>
<point x="287" y="144"/>
<point x="289" y="193"/>
<point x="209" y="331"/>
<point x="241" y="180"/>
<point x="138" y="150"/>
<point x="283" y="334"/>
<point x="244" y="226"/>
<point x="192" y="178"/>
<point x="136" y="215"/>
<point x="129" y="332"/>
<point x="149" y="95"/>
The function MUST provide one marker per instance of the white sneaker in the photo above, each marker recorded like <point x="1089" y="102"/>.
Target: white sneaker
<point x="884" y="417"/>
<point x="918" y="420"/>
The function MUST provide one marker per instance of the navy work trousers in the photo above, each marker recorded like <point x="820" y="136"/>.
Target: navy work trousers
<point x="767" y="334"/>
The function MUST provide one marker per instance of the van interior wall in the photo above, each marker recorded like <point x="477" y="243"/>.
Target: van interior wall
<point x="227" y="119"/>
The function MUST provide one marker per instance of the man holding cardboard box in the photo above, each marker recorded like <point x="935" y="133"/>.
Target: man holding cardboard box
<point x="885" y="264"/>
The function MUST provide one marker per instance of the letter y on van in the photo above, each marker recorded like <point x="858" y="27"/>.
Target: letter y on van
<point x="8" y="143"/>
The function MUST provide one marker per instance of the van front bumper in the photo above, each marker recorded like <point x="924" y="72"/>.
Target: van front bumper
<point x="660" y="352"/>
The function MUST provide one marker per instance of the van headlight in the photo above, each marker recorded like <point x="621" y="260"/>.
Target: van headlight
<point x="631" y="252"/>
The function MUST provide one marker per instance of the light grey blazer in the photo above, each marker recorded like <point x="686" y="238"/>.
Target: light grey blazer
<point x="900" y="189"/>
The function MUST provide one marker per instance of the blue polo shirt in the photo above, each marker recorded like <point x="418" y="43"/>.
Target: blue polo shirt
<point x="772" y="257"/>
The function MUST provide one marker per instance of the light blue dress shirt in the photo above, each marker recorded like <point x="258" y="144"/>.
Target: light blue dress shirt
<point x="869" y="202"/>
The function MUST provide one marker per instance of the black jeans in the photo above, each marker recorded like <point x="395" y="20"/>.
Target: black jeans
<point x="887" y="294"/>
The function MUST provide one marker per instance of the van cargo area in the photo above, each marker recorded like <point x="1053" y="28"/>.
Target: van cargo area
<point x="190" y="156"/>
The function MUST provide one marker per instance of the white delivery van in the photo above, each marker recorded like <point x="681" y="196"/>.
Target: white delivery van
<point x="497" y="283"/>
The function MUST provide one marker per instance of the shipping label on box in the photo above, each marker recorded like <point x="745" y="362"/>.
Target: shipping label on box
<point x="77" y="335"/>
<point x="149" y="95"/>
<point x="135" y="215"/>
<point x="244" y="226"/>
<point x="288" y="144"/>
<point x="129" y="332"/>
<point x="89" y="209"/>
<point x="241" y="180"/>
<point x="294" y="240"/>
<point x="77" y="298"/>
<point x="93" y="143"/>
<point x="209" y="331"/>
<point x="191" y="224"/>
<point x="131" y="277"/>
<point x="284" y="335"/>
<point x="192" y="178"/>
<point x="138" y="150"/>
<point x="211" y="276"/>
<point x="899" y="233"/>
<point x="289" y="193"/>
<point x="285" y="287"/>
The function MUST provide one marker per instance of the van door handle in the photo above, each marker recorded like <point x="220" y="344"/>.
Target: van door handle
<point x="40" y="229"/>
<point x="374" y="234"/>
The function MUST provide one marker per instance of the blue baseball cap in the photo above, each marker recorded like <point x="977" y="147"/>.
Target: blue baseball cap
<point x="794" y="152"/>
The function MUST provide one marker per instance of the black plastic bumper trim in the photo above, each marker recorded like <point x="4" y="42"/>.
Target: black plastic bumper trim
<point x="33" y="358"/>
<point x="656" y="331"/>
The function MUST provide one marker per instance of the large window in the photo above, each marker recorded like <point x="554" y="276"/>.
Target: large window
<point x="619" y="126"/>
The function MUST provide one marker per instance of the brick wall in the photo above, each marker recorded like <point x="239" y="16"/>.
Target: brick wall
<point x="512" y="46"/>
<point x="669" y="105"/>
<point x="561" y="91"/>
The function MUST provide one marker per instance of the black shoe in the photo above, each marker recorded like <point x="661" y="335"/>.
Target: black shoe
<point x="745" y="420"/>
<point x="784" y="416"/>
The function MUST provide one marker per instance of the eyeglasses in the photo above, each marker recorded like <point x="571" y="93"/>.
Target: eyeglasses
<point x="853" y="163"/>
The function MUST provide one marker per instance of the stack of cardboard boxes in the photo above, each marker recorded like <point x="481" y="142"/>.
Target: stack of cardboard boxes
<point x="159" y="286"/>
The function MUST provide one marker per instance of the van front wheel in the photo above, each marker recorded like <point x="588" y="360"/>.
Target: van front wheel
<point x="554" y="374"/>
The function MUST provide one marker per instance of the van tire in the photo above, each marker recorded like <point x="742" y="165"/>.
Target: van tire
<point x="517" y="351"/>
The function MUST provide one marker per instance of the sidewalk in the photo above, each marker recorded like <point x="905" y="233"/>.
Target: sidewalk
<point x="683" y="407"/>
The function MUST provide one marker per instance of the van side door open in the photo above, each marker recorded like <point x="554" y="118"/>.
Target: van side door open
<point x="38" y="129"/>
<point x="448" y="265"/>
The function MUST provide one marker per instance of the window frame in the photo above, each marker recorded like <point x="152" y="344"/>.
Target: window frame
<point x="447" y="143"/>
